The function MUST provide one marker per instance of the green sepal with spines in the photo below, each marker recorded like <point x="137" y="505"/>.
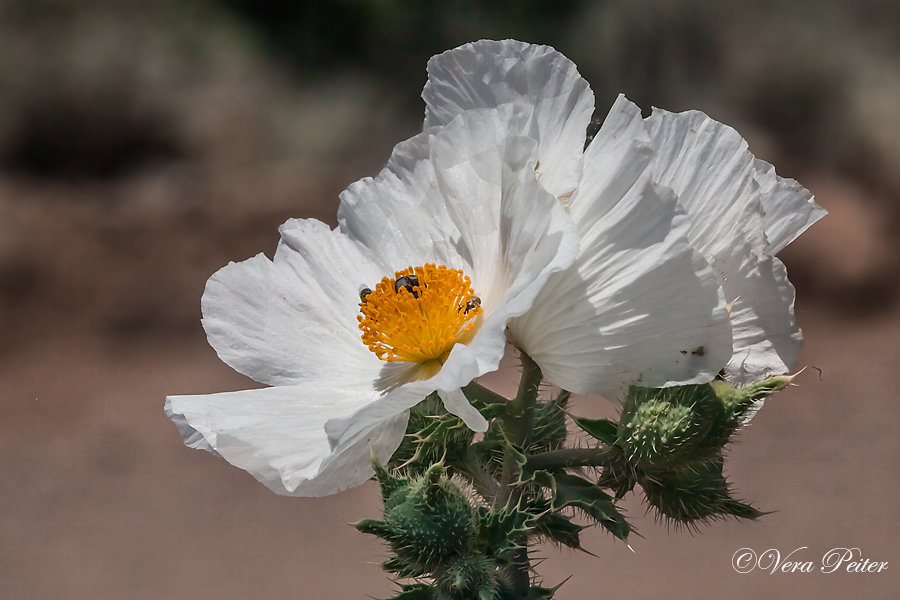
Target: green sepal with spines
<point x="433" y="435"/>
<point x="734" y="404"/>
<point x="696" y="494"/>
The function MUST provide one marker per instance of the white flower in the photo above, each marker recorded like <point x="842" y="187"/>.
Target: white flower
<point x="453" y="202"/>
<point x="677" y="221"/>
<point x="609" y="266"/>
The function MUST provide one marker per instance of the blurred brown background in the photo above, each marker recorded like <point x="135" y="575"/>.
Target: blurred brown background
<point x="144" y="144"/>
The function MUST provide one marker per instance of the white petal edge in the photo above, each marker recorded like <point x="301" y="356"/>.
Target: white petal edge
<point x="789" y="207"/>
<point x="293" y="319"/>
<point x="277" y="435"/>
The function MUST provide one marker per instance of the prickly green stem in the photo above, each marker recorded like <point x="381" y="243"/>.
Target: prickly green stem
<point x="571" y="458"/>
<point x="518" y="424"/>
<point x="518" y="421"/>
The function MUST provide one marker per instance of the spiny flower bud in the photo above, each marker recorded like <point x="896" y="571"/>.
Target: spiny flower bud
<point x="662" y="426"/>
<point x="470" y="578"/>
<point x="427" y="521"/>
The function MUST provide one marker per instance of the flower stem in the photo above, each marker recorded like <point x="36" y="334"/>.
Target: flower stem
<point x="570" y="458"/>
<point x="518" y="424"/>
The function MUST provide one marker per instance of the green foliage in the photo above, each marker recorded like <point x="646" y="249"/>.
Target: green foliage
<point x="500" y="528"/>
<point x="557" y="527"/>
<point x="673" y="441"/>
<point x="668" y="441"/>
<point x="427" y="521"/>
<point x="419" y="591"/>
<point x="549" y="433"/>
<point x="470" y="577"/>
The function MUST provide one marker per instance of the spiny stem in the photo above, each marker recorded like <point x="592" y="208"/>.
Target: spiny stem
<point x="518" y="424"/>
<point x="569" y="458"/>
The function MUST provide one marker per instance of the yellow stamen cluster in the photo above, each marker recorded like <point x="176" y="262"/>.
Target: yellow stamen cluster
<point x="396" y="325"/>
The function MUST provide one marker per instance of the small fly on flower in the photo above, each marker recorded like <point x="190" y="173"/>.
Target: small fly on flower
<point x="363" y="292"/>
<point x="472" y="303"/>
<point x="410" y="282"/>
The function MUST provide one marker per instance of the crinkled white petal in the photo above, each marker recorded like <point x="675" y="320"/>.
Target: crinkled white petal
<point x="712" y="171"/>
<point x="710" y="168"/>
<point x="789" y="207"/>
<point x="401" y="216"/>
<point x="286" y="321"/>
<point x="614" y="162"/>
<point x="766" y="337"/>
<point x="487" y="74"/>
<point x="277" y="435"/>
<point x="639" y="305"/>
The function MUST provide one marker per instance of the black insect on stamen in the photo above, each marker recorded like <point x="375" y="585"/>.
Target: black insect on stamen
<point x="363" y="292"/>
<point x="471" y="304"/>
<point x="409" y="282"/>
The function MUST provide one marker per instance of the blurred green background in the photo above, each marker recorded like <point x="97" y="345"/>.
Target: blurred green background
<point x="146" y="143"/>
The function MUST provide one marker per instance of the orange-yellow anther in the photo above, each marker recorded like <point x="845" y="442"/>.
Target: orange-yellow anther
<point x="397" y="325"/>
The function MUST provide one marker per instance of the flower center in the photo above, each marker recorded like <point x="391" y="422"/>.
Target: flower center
<point x="419" y="315"/>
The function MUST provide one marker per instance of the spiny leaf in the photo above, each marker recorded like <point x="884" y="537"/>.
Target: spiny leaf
<point x="559" y="529"/>
<point x="573" y="491"/>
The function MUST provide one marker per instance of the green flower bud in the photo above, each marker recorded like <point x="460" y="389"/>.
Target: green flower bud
<point x="427" y="521"/>
<point x="470" y="578"/>
<point x="660" y="427"/>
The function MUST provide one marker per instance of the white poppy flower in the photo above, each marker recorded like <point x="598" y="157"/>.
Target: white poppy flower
<point x="677" y="220"/>
<point x="459" y="208"/>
